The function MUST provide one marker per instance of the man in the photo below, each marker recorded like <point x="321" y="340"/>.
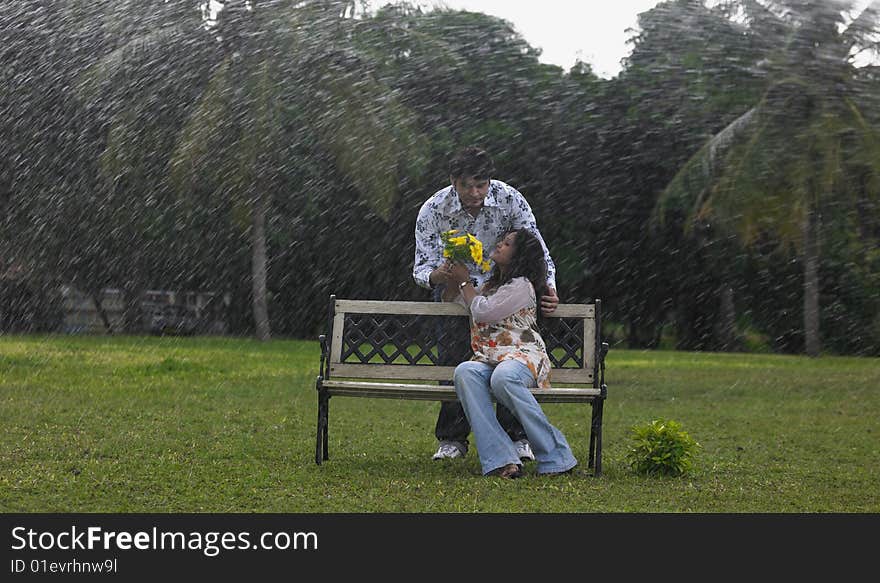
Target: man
<point x="487" y="209"/>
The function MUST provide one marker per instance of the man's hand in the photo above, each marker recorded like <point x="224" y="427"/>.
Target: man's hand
<point x="441" y="274"/>
<point x="549" y="301"/>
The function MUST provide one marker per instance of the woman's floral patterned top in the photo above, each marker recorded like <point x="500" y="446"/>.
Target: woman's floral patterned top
<point x="504" y="326"/>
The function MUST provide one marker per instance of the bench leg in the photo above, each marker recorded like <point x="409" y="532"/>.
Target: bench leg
<point x="321" y="434"/>
<point x="325" y="440"/>
<point x="592" y="459"/>
<point x="596" y="438"/>
<point x="318" y="434"/>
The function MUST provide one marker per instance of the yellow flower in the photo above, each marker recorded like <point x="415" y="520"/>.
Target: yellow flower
<point x="463" y="248"/>
<point x="476" y="249"/>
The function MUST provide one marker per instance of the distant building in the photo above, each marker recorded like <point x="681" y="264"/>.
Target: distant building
<point x="169" y="312"/>
<point x="161" y="312"/>
<point x="27" y="305"/>
<point x="80" y="314"/>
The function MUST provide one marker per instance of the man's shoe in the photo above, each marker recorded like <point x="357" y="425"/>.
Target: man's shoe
<point x="524" y="450"/>
<point x="449" y="450"/>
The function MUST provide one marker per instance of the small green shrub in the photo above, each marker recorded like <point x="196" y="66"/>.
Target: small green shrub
<point x="662" y="447"/>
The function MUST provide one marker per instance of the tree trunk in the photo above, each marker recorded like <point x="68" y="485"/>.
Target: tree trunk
<point x="96" y="297"/>
<point x="132" y="316"/>
<point x="726" y="326"/>
<point x="259" y="268"/>
<point x="811" y="285"/>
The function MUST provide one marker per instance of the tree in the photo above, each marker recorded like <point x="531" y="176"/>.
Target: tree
<point x="67" y="221"/>
<point x="472" y="79"/>
<point x="288" y="83"/>
<point x="689" y="74"/>
<point x="786" y="164"/>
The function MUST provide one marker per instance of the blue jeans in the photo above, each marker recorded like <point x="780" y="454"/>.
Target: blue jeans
<point x="478" y="385"/>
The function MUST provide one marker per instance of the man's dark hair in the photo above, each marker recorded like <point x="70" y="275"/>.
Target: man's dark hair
<point x="472" y="161"/>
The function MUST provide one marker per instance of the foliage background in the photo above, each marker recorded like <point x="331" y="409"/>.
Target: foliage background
<point x="136" y="144"/>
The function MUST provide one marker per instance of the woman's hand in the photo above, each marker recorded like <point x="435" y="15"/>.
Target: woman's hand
<point x="451" y="274"/>
<point x="458" y="273"/>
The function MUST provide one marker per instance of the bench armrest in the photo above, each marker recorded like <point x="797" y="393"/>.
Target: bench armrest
<point x="603" y="350"/>
<point x="325" y="357"/>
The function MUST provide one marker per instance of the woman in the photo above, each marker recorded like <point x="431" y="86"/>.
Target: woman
<point x="509" y="358"/>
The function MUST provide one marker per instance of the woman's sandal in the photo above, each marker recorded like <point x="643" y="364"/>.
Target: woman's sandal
<point x="509" y="472"/>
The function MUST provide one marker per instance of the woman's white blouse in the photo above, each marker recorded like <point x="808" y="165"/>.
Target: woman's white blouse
<point x="509" y="298"/>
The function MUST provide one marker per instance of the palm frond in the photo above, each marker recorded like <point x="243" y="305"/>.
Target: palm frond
<point x="765" y="170"/>
<point x="866" y="153"/>
<point x="372" y="136"/>
<point x="690" y="186"/>
<point x="147" y="46"/>
<point x="202" y="150"/>
<point x="868" y="133"/>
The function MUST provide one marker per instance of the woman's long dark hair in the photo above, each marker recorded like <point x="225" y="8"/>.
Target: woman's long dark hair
<point x="528" y="261"/>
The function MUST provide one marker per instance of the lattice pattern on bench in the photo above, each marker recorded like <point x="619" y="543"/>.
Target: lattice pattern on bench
<point x="416" y="339"/>
<point x="564" y="338"/>
<point x="395" y="339"/>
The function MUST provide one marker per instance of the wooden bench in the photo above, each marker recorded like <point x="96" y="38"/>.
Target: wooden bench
<point x="389" y="350"/>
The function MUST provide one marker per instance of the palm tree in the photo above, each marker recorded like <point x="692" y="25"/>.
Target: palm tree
<point x="785" y="162"/>
<point x="289" y="79"/>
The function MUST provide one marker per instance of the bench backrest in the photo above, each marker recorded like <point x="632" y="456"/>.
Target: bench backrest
<point x="371" y="339"/>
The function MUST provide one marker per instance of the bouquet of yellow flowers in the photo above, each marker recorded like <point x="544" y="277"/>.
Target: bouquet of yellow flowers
<point x="463" y="248"/>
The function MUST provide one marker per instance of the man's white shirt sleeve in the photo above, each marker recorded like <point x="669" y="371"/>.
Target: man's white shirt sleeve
<point x="429" y="248"/>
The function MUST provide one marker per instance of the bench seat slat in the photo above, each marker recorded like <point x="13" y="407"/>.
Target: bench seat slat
<point x="439" y="373"/>
<point x="444" y="393"/>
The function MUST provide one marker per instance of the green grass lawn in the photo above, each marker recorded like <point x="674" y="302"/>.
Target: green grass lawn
<point x="138" y="424"/>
